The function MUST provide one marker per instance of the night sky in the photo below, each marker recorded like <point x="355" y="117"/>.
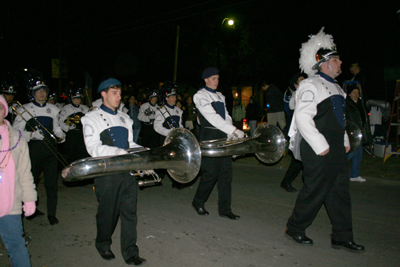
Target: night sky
<point x="134" y="41"/>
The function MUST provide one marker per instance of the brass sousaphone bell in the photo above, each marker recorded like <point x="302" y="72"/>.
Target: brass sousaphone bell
<point x="268" y="143"/>
<point x="180" y="155"/>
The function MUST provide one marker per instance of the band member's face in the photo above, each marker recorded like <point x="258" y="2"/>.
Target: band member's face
<point x="51" y="101"/>
<point x="9" y="98"/>
<point x="40" y="95"/>
<point x="332" y="67"/>
<point x="2" y="111"/>
<point x="132" y="100"/>
<point x="189" y="100"/>
<point x="77" y="101"/>
<point x="212" y="82"/>
<point x="171" y="100"/>
<point x="153" y="100"/>
<point x="112" y="98"/>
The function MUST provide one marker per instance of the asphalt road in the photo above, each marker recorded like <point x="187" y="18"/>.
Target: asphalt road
<point x="170" y="233"/>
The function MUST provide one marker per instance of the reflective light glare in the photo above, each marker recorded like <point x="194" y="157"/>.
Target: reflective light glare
<point x="231" y="22"/>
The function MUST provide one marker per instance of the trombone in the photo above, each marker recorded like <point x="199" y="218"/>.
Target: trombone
<point x="49" y="143"/>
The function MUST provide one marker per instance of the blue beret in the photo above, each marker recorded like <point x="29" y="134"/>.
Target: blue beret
<point x="107" y="83"/>
<point x="208" y="72"/>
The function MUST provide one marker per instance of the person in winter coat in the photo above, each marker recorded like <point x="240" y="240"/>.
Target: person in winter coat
<point x="356" y="113"/>
<point x="17" y="189"/>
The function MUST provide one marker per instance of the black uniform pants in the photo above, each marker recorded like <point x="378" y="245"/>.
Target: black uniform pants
<point x="215" y="170"/>
<point x="149" y="137"/>
<point x="75" y="146"/>
<point x="117" y="196"/>
<point x="43" y="159"/>
<point x="293" y="171"/>
<point x="326" y="182"/>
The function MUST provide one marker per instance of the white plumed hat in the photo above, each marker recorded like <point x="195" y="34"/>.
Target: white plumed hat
<point x="317" y="50"/>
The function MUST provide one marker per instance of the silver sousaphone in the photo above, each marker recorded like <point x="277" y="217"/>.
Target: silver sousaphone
<point x="268" y="143"/>
<point x="180" y="155"/>
<point x="355" y="135"/>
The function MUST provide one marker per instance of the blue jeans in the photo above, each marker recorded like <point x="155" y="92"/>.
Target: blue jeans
<point x="11" y="233"/>
<point x="253" y="126"/>
<point x="136" y="135"/>
<point x="355" y="158"/>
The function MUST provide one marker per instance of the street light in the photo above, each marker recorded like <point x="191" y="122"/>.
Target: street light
<point x="231" y="23"/>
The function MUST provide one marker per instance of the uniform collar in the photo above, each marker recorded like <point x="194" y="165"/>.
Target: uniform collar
<point x="37" y="104"/>
<point x="74" y="105"/>
<point x="326" y="77"/>
<point x="210" y="90"/>
<point x="109" y="110"/>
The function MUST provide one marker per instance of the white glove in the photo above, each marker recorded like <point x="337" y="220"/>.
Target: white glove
<point x="61" y="136"/>
<point x="238" y="133"/>
<point x="73" y="126"/>
<point x="62" y="139"/>
<point x="37" y="135"/>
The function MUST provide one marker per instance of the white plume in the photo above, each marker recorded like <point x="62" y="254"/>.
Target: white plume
<point x="310" y="48"/>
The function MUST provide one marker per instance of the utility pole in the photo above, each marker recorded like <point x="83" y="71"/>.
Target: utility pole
<point x="176" y="53"/>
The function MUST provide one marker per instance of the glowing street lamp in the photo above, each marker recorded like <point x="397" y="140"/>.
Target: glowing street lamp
<point x="231" y="23"/>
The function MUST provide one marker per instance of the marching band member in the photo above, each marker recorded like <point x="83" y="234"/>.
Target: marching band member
<point x="8" y="91"/>
<point x="41" y="150"/>
<point x="70" y="123"/>
<point x="319" y="140"/>
<point x="147" y="115"/>
<point x="108" y="132"/>
<point x="215" y="124"/>
<point x="169" y="116"/>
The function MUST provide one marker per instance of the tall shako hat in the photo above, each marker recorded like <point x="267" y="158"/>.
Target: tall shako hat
<point x="168" y="89"/>
<point x="74" y="91"/>
<point x="150" y="93"/>
<point x="34" y="81"/>
<point x="7" y="87"/>
<point x="317" y="50"/>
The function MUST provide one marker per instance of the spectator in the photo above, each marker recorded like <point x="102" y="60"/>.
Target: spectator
<point x="252" y="114"/>
<point x="16" y="187"/>
<point x="238" y="114"/>
<point x="273" y="105"/>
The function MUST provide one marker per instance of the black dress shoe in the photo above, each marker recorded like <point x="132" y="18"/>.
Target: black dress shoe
<point x="288" y="187"/>
<point x="52" y="220"/>
<point x="200" y="210"/>
<point x="135" y="260"/>
<point x="349" y="246"/>
<point x="301" y="239"/>
<point x="107" y="254"/>
<point x="230" y="215"/>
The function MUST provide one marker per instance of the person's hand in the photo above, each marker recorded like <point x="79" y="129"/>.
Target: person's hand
<point x="37" y="135"/>
<point x="238" y="133"/>
<point x="324" y="153"/>
<point x="29" y="208"/>
<point x="347" y="149"/>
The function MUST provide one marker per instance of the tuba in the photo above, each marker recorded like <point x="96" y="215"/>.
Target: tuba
<point x="180" y="155"/>
<point x="355" y="135"/>
<point x="268" y="143"/>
